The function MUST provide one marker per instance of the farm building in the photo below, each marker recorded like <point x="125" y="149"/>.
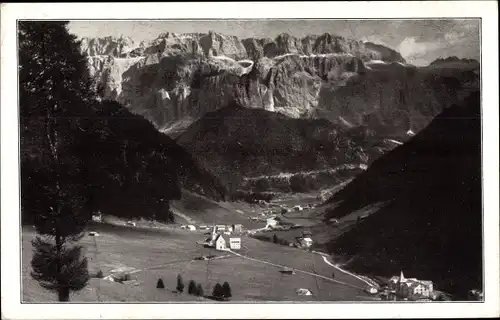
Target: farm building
<point x="304" y="292"/>
<point x="191" y="227"/>
<point x="223" y="242"/>
<point x="306" y="242"/>
<point x="97" y="217"/>
<point x="235" y="243"/>
<point x="220" y="243"/>
<point x="287" y="271"/>
<point x="410" y="287"/>
<point x="220" y="228"/>
<point x="371" y="290"/>
<point x="237" y="228"/>
<point x="271" y="223"/>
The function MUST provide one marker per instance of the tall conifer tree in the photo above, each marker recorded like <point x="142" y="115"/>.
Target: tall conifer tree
<point x="55" y="93"/>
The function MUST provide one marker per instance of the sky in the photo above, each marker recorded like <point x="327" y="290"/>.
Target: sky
<point x="419" y="41"/>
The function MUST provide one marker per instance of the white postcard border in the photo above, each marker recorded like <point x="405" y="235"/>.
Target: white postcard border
<point x="10" y="246"/>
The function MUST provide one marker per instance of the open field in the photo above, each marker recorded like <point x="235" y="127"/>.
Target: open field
<point x="165" y="254"/>
<point x="203" y="210"/>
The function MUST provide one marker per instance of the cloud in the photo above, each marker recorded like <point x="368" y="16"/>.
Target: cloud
<point x="454" y="37"/>
<point x="411" y="48"/>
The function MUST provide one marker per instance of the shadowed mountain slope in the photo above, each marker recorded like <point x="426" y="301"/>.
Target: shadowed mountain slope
<point x="237" y="142"/>
<point x="128" y="168"/>
<point x="431" y="227"/>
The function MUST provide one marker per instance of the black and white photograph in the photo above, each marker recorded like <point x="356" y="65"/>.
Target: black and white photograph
<point x="190" y="162"/>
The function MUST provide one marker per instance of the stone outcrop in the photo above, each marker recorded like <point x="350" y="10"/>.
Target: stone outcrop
<point x="116" y="47"/>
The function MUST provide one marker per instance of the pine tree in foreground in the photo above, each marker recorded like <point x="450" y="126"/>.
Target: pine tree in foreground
<point x="180" y="284"/>
<point x="160" y="284"/>
<point x="226" y="290"/>
<point x="54" y="90"/>
<point x="192" y="287"/>
<point x="199" y="291"/>
<point x="217" y="291"/>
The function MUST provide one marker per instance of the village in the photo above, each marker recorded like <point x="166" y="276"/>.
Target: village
<point x="230" y="237"/>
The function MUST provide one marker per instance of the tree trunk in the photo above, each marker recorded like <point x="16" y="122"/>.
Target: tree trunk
<point x="63" y="294"/>
<point x="62" y="290"/>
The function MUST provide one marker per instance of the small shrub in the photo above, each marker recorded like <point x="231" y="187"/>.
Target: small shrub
<point x="159" y="284"/>
<point x="298" y="184"/>
<point x="262" y="185"/>
<point x="226" y="290"/>
<point x="99" y="274"/>
<point x="199" y="291"/>
<point x="180" y="284"/>
<point x="218" y="291"/>
<point x="192" y="287"/>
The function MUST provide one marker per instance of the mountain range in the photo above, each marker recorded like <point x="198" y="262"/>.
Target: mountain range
<point x="180" y="81"/>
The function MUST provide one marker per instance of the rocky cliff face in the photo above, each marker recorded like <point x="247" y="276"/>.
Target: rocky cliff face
<point x="117" y="47"/>
<point x="318" y="44"/>
<point x="177" y="78"/>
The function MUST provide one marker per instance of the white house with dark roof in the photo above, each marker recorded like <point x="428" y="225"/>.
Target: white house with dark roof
<point x="223" y="242"/>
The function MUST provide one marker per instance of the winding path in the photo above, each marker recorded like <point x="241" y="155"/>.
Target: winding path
<point x="370" y="283"/>
<point x="183" y="216"/>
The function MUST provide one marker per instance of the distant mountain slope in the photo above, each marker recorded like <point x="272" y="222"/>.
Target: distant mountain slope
<point x="385" y="53"/>
<point x="431" y="228"/>
<point x="456" y="62"/>
<point x="130" y="169"/>
<point x="237" y="142"/>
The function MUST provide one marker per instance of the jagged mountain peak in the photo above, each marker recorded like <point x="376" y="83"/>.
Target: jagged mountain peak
<point x="224" y="44"/>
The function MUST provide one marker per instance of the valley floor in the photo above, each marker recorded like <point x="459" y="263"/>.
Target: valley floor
<point x="153" y="254"/>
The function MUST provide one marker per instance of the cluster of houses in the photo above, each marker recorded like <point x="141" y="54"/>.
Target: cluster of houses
<point x="220" y="228"/>
<point x="222" y="239"/>
<point x="305" y="241"/>
<point x="409" y="289"/>
<point x="283" y="208"/>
